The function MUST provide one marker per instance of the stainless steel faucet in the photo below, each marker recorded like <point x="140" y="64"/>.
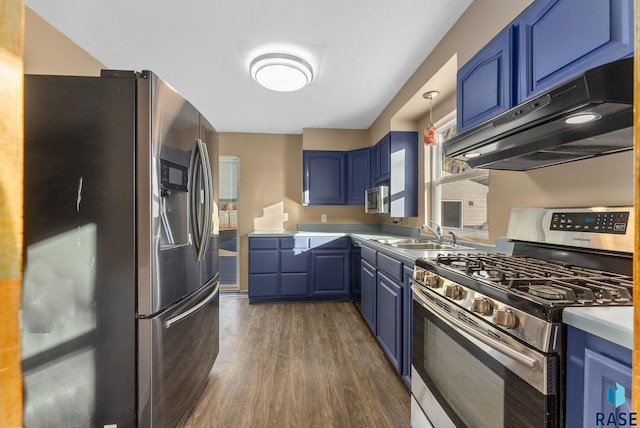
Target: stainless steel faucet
<point x="437" y="230"/>
<point x="454" y="238"/>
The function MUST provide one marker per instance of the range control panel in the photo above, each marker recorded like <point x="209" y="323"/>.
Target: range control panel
<point x="591" y="222"/>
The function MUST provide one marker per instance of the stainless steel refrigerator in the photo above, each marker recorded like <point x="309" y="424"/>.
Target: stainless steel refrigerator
<point x="120" y="298"/>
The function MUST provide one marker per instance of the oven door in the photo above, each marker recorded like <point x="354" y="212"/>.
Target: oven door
<point x="466" y="373"/>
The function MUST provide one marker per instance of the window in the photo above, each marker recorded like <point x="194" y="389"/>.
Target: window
<point x="459" y="193"/>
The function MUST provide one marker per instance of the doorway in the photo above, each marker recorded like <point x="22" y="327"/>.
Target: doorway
<point x="229" y="174"/>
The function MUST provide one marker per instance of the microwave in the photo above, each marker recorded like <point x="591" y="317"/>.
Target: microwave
<point x="376" y="200"/>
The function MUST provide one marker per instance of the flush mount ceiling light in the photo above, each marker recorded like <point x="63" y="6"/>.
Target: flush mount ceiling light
<point x="281" y="72"/>
<point x="585" y="117"/>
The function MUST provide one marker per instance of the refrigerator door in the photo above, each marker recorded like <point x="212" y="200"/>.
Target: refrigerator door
<point x="78" y="323"/>
<point x="177" y="349"/>
<point x="169" y="193"/>
<point x="210" y="263"/>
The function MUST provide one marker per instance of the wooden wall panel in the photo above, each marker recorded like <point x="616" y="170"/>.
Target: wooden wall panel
<point x="11" y="173"/>
<point x="635" y="396"/>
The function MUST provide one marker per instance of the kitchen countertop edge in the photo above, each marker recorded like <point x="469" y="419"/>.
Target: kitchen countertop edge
<point x="612" y="323"/>
<point x="366" y="238"/>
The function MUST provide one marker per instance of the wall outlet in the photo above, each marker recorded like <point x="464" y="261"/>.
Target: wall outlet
<point x="323" y="218"/>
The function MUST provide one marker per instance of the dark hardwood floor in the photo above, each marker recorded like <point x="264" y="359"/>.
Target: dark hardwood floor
<point x="299" y="365"/>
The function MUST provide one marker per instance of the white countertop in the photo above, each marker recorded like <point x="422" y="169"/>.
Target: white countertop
<point x="614" y="324"/>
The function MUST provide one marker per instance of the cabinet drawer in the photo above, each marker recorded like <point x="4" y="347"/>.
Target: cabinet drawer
<point x="329" y="242"/>
<point x="263" y="261"/>
<point x="392" y="267"/>
<point x="294" y="261"/>
<point x="263" y="243"/>
<point x="263" y="285"/>
<point x="369" y="255"/>
<point x="295" y="242"/>
<point x="293" y="284"/>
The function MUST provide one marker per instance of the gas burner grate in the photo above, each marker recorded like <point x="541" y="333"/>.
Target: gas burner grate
<point x="542" y="280"/>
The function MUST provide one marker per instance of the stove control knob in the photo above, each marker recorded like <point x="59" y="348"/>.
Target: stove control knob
<point x="432" y="281"/>
<point x="453" y="291"/>
<point x="505" y="318"/>
<point x="482" y="306"/>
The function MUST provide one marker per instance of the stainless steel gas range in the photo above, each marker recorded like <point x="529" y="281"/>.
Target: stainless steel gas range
<point x="488" y="339"/>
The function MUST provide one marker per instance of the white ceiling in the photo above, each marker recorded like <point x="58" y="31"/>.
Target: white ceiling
<point x="362" y="52"/>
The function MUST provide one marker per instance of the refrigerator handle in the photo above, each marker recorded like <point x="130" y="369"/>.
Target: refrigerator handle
<point x="171" y="321"/>
<point x="208" y="198"/>
<point x="194" y="172"/>
<point x="201" y="221"/>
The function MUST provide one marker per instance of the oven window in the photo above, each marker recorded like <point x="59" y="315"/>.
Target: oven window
<point x="474" y="391"/>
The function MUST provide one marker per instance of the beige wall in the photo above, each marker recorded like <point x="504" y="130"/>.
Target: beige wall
<point x="334" y="139"/>
<point x="604" y="181"/>
<point x="48" y="51"/>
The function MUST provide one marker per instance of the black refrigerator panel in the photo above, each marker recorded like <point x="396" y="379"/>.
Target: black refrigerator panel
<point x="78" y="330"/>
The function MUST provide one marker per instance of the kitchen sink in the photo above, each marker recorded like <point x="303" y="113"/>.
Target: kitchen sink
<point x="415" y="244"/>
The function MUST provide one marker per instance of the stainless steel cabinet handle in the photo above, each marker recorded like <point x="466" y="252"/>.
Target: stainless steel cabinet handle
<point x="498" y="346"/>
<point x="171" y="321"/>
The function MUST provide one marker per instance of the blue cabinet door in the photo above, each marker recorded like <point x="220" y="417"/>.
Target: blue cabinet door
<point x="389" y="320"/>
<point x="381" y="160"/>
<point x="560" y="39"/>
<point x="358" y="175"/>
<point x="403" y="178"/>
<point x="368" y="295"/>
<point x="375" y="164"/>
<point x="323" y="176"/>
<point x="355" y="271"/>
<point x="598" y="380"/>
<point x="385" y="157"/>
<point x="485" y="83"/>
<point x="407" y="319"/>
<point x="330" y="273"/>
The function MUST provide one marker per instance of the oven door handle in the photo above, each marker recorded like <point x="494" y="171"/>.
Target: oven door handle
<point x="493" y="344"/>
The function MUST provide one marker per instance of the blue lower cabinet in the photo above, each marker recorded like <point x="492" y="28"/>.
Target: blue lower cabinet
<point x="407" y="319"/>
<point x="389" y="320"/>
<point x="330" y="273"/>
<point x="299" y="268"/>
<point x="598" y="382"/>
<point x="263" y="269"/>
<point x="368" y="294"/>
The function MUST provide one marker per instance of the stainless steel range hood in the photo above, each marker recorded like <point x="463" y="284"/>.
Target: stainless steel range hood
<point x="535" y="134"/>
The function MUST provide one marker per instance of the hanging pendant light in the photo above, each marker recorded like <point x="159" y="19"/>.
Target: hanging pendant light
<point x="430" y="132"/>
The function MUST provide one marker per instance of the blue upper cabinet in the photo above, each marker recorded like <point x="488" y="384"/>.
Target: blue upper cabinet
<point x="559" y="39"/>
<point x="403" y="173"/>
<point x="485" y="83"/>
<point x="358" y="175"/>
<point x="549" y="43"/>
<point x="324" y="175"/>
<point x="381" y="160"/>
